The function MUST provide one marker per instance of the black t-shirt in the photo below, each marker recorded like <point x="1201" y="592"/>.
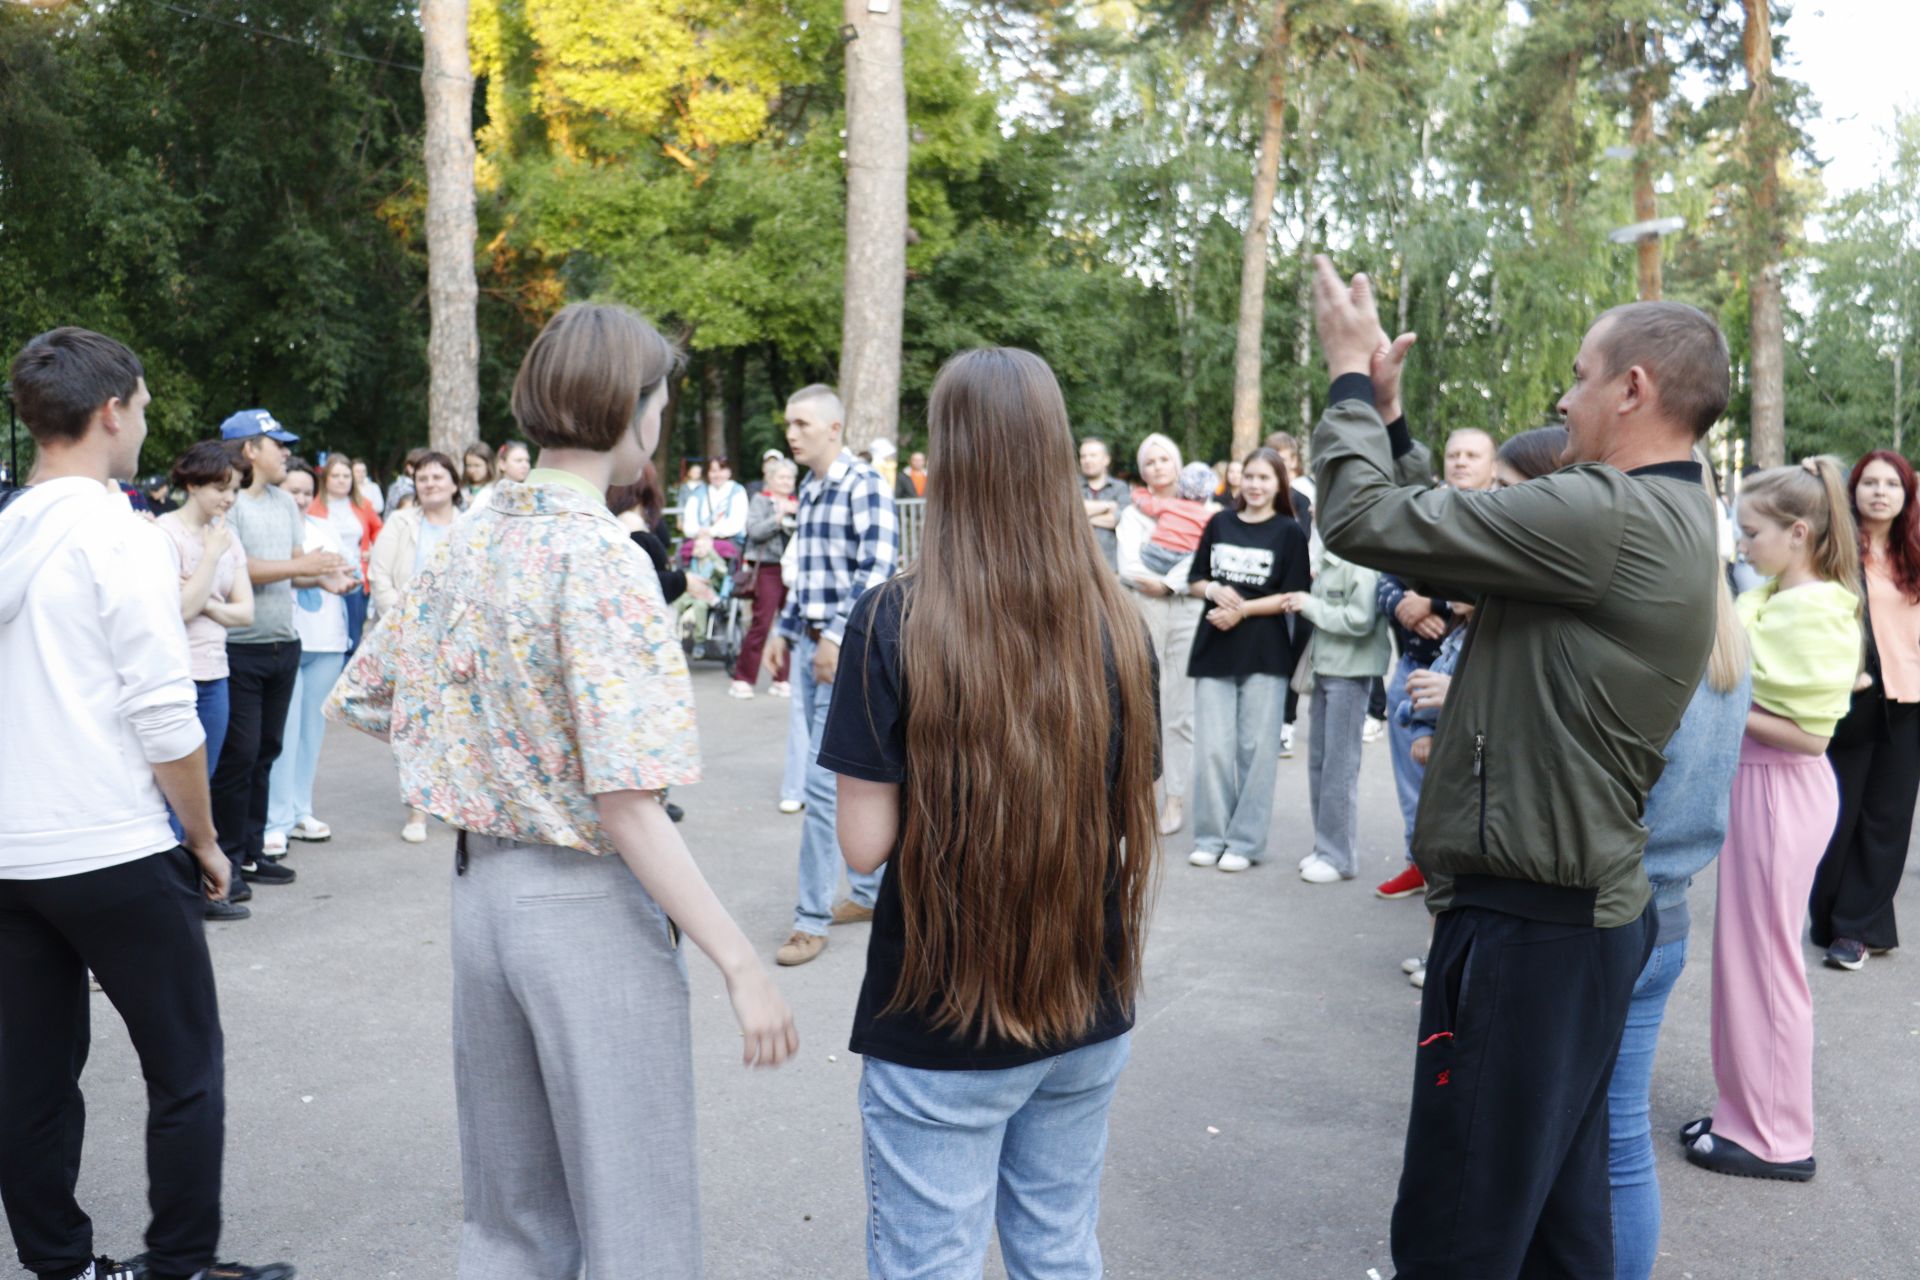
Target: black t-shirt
<point x="866" y="738"/>
<point x="1256" y="560"/>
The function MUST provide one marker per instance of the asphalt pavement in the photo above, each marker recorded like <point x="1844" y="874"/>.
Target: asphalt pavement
<point x="1256" y="1133"/>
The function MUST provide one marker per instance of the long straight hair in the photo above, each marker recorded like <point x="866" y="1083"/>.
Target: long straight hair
<point x="1012" y="834"/>
<point x="1283" y="496"/>
<point x="1903" y="539"/>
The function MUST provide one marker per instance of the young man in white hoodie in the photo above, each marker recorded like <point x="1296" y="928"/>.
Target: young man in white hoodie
<point x="95" y="678"/>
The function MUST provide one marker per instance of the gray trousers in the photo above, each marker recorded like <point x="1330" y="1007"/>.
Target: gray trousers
<point x="1170" y="622"/>
<point x="573" y="1071"/>
<point x="1237" y="741"/>
<point x="1333" y="767"/>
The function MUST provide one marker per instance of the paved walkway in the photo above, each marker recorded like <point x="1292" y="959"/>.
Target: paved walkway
<point x="1256" y="1134"/>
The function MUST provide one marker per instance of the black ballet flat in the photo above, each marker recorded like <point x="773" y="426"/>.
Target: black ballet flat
<point x="1723" y="1155"/>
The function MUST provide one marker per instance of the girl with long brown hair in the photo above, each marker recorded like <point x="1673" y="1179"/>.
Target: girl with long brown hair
<point x="1876" y="748"/>
<point x="1803" y="626"/>
<point x="995" y="730"/>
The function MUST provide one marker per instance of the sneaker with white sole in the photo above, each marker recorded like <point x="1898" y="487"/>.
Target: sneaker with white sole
<point x="414" y="833"/>
<point x="1309" y="858"/>
<point x="1413" y="964"/>
<point x="793" y="806"/>
<point x="274" y="844"/>
<point x="1418" y="978"/>
<point x="1234" y="862"/>
<point x="1286" y="742"/>
<point x="1372" y="730"/>
<point x="1320" y="871"/>
<point x="739" y="689"/>
<point x="780" y="689"/>
<point x="1203" y="858"/>
<point x="311" y="829"/>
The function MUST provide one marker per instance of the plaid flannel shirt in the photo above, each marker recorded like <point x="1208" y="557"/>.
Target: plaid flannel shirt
<point x="848" y="542"/>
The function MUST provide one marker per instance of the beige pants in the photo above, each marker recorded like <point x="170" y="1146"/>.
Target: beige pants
<point x="1171" y="621"/>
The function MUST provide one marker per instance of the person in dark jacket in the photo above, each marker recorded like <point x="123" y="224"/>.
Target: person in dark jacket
<point x="1593" y="628"/>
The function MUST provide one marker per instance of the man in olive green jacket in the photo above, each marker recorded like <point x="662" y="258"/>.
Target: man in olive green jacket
<point x="1595" y="622"/>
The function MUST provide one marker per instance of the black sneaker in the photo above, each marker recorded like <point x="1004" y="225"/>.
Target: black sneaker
<point x="108" y="1269"/>
<point x="264" y="872"/>
<point x="1847" y="954"/>
<point x="674" y="812"/>
<point x="227" y="910"/>
<point x="238" y="890"/>
<point x="220" y="1271"/>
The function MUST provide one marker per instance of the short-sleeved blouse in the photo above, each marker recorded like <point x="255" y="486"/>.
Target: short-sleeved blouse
<point x="530" y="668"/>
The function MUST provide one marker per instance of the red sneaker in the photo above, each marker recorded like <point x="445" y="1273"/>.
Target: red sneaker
<point x="1404" y="885"/>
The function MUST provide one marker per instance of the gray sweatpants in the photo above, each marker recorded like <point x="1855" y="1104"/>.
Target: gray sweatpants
<point x="1333" y="768"/>
<point x="1236" y="731"/>
<point x="573" y="1071"/>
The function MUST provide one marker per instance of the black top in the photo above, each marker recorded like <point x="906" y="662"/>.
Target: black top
<point x="673" y="579"/>
<point x="1256" y="560"/>
<point x="866" y="738"/>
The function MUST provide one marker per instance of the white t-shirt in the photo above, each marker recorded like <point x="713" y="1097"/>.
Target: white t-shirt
<point x="320" y="617"/>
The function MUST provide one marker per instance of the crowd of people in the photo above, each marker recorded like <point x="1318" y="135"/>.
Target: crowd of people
<point x="991" y="744"/>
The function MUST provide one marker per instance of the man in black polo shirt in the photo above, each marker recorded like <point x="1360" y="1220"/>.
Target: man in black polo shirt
<point x="1595" y="620"/>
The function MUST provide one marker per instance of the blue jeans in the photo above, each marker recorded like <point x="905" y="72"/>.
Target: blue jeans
<point x="952" y="1154"/>
<point x="290" y="785"/>
<point x="210" y="704"/>
<point x="1407" y="776"/>
<point x="356" y="602"/>
<point x="1636" y="1190"/>
<point x="820" y="857"/>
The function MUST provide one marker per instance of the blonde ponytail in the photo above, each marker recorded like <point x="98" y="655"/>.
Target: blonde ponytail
<point x="1728" y="664"/>
<point x="1815" y="492"/>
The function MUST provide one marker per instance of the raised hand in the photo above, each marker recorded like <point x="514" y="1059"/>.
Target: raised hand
<point x="1346" y="319"/>
<point x="1389" y="360"/>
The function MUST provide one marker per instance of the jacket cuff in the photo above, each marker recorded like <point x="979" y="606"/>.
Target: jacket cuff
<point x="1352" y="386"/>
<point x="1400" y="437"/>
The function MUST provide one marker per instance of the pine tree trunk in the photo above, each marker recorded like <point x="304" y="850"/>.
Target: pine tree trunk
<point x="1767" y="355"/>
<point x="713" y="409"/>
<point x="1253" y="249"/>
<point x="453" y="341"/>
<point x="1645" y="207"/>
<point x="876" y="282"/>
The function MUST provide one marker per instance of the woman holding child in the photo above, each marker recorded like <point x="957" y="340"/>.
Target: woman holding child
<point x="1160" y="596"/>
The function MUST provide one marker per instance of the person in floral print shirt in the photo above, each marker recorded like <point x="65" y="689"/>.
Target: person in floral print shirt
<point x="537" y="701"/>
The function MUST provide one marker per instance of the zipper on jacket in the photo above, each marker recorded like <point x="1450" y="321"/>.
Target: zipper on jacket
<point x="1480" y="772"/>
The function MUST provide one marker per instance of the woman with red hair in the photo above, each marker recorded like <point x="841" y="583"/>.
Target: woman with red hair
<point x="1876" y="749"/>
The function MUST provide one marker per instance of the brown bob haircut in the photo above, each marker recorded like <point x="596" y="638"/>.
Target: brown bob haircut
<point x="209" y="462"/>
<point x="1684" y="351"/>
<point x="587" y="374"/>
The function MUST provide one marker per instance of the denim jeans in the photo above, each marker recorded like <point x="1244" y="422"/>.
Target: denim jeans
<point x="1236" y="734"/>
<point x="210" y="705"/>
<point x="290" y="785"/>
<point x="820" y="857"/>
<point x="950" y="1155"/>
<point x="1636" y="1189"/>
<point x="1407" y="776"/>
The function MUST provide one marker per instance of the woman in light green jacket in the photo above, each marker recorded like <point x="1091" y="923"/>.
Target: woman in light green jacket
<point x="1349" y="649"/>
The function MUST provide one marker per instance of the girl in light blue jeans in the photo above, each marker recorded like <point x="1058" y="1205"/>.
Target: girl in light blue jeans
<point x="1019" y="840"/>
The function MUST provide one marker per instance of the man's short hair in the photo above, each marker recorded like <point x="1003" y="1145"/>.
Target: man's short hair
<point x="586" y="376"/>
<point x="1087" y="440"/>
<point x="63" y="375"/>
<point x="1482" y="432"/>
<point x="828" y="398"/>
<point x="1681" y="348"/>
<point x="1282" y="442"/>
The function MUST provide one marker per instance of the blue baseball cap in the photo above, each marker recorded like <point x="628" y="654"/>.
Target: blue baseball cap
<point x="250" y="423"/>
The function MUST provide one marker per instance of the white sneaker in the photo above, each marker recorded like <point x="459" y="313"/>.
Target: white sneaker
<point x="1203" y="858"/>
<point x="792" y="806"/>
<point x="1319" y="871"/>
<point x="1413" y="964"/>
<point x="273" y="844"/>
<point x="414" y="833"/>
<point x="739" y="689"/>
<point x="780" y="689"/>
<point x="311" y="828"/>
<point x="1373" y="730"/>
<point x="1286" y="742"/>
<point x="1418" y="978"/>
<point x="1234" y="862"/>
<point x="1312" y="857"/>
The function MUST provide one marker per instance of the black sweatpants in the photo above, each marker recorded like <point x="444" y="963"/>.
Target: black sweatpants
<point x="260" y="681"/>
<point x="1853" y="890"/>
<point x="140" y="927"/>
<point x="1377" y="699"/>
<point x="1506" y="1166"/>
